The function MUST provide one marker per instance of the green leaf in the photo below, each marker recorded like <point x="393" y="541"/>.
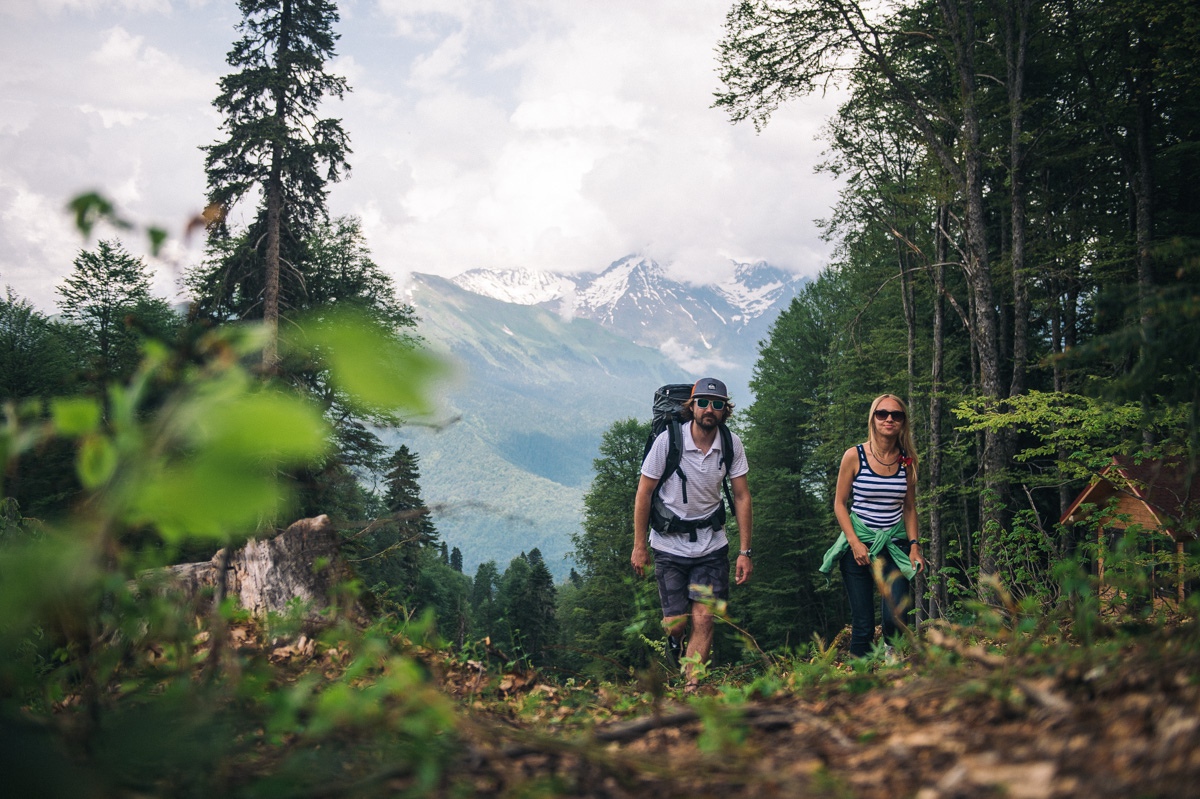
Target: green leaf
<point x="97" y="460"/>
<point x="378" y="369"/>
<point x="89" y="208"/>
<point x="209" y="498"/>
<point x="75" y="416"/>
<point x="157" y="237"/>
<point x="37" y="574"/>
<point x="266" y="427"/>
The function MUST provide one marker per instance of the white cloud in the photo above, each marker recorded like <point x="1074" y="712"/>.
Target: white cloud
<point x="47" y="241"/>
<point x="611" y="147"/>
<point x="690" y="360"/>
<point x="94" y="109"/>
<point x="24" y="9"/>
<point x="506" y="133"/>
<point x="442" y="63"/>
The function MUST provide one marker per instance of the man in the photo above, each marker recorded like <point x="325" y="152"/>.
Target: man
<point x="691" y="551"/>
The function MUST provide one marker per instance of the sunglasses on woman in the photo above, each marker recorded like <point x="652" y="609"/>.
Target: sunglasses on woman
<point x="716" y="404"/>
<point x="881" y="414"/>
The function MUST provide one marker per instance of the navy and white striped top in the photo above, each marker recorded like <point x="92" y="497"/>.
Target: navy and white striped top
<point x="878" y="500"/>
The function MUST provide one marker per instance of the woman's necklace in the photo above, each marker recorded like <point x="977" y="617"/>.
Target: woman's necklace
<point x="882" y="462"/>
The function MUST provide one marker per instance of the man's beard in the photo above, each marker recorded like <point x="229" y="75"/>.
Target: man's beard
<point x="707" y="421"/>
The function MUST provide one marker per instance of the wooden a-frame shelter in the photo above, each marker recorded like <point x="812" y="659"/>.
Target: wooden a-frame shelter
<point x="1158" y="495"/>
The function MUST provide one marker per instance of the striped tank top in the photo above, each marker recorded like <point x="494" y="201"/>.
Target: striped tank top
<point x="878" y="500"/>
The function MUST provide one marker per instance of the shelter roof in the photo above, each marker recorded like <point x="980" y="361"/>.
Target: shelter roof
<point x="1168" y="488"/>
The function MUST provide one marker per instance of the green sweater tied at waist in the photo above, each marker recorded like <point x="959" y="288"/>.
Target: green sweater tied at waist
<point x="876" y="541"/>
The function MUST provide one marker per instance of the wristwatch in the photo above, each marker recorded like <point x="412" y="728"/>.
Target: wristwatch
<point x="747" y="552"/>
<point x="913" y="542"/>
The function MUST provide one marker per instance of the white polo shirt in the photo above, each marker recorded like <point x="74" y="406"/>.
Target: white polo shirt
<point x="704" y="473"/>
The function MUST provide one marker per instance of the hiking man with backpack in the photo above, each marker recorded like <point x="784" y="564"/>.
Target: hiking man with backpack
<point x="680" y="515"/>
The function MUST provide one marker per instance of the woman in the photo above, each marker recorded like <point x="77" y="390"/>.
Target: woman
<point x="876" y="508"/>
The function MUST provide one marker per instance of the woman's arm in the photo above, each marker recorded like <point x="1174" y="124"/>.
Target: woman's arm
<point x="847" y="471"/>
<point x="910" y="520"/>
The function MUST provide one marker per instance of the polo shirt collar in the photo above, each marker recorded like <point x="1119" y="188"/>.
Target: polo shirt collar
<point x="690" y="443"/>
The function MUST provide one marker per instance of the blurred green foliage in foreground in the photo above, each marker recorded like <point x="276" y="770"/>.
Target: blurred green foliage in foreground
<point x="109" y="685"/>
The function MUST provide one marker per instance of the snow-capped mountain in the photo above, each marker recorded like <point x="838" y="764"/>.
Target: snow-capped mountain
<point x="755" y="289"/>
<point x="509" y="456"/>
<point x="711" y="328"/>
<point x="759" y="287"/>
<point x="531" y="349"/>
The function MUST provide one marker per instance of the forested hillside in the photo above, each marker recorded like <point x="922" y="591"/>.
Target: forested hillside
<point x="1016" y="258"/>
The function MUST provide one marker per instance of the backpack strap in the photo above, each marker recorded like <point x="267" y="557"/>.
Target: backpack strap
<point x="666" y="522"/>
<point x="727" y="461"/>
<point x="661" y="519"/>
<point x="726" y="446"/>
<point x="674" y="457"/>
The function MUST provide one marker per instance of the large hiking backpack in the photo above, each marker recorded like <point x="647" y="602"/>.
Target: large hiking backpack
<point x="668" y="415"/>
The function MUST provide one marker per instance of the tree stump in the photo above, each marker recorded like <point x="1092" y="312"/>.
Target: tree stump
<point x="301" y="564"/>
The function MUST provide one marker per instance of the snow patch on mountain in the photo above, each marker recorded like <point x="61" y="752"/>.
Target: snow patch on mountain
<point x="519" y="286"/>
<point x="755" y="288"/>
<point x="634" y="276"/>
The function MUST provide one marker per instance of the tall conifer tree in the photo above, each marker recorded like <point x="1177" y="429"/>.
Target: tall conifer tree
<point x="595" y="626"/>
<point x="275" y="141"/>
<point x="394" y="550"/>
<point x="107" y="298"/>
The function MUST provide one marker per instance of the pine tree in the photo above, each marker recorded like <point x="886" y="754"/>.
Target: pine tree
<point x="332" y="265"/>
<point x="788" y="600"/>
<point x="445" y="592"/>
<point x="35" y="361"/>
<point x="276" y="142"/>
<point x="512" y="592"/>
<point x="107" y="298"/>
<point x="595" y="624"/>
<point x="541" y="625"/>
<point x="393" y="557"/>
<point x="484" y="612"/>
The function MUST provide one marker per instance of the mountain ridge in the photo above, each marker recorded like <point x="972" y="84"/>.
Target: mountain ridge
<point x="545" y="364"/>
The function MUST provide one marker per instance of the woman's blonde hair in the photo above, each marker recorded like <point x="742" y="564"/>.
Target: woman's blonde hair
<point x="908" y="445"/>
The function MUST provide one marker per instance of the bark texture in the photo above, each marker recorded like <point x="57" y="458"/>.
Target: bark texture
<point x="300" y="564"/>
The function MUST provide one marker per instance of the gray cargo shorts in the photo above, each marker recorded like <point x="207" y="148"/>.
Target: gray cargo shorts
<point x="678" y="576"/>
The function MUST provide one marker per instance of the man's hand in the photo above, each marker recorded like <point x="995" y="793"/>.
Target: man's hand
<point x="640" y="559"/>
<point x="745" y="567"/>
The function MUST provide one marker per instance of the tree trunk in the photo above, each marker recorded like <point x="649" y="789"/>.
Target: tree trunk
<point x="274" y="191"/>
<point x="960" y="22"/>
<point x="1017" y="35"/>
<point x="937" y="547"/>
<point x="1143" y="192"/>
<point x="270" y="576"/>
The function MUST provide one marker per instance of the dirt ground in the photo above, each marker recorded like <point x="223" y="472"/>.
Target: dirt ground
<point x="1108" y="721"/>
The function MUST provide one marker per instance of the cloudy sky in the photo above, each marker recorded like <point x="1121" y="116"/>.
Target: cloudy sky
<point x="545" y="134"/>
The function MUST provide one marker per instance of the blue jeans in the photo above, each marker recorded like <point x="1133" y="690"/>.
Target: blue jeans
<point x="860" y="590"/>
